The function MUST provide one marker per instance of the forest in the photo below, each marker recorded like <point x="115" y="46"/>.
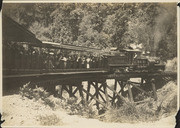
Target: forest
<point x="102" y="25"/>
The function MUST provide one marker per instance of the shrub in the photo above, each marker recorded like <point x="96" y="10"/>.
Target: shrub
<point x="26" y="91"/>
<point x="129" y="114"/>
<point x="149" y="110"/>
<point x="38" y="93"/>
<point x="71" y="105"/>
<point x="49" y="120"/>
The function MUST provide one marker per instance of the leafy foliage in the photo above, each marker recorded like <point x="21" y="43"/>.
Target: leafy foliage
<point x="102" y="24"/>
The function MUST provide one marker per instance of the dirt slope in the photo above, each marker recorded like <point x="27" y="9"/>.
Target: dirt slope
<point x="18" y="111"/>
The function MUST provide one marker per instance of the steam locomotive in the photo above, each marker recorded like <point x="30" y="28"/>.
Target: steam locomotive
<point x="128" y="60"/>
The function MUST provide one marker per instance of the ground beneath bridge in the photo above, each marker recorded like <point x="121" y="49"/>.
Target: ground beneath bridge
<point x="18" y="111"/>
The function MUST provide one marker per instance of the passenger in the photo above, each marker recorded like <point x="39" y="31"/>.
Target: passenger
<point x="61" y="63"/>
<point x="68" y="62"/>
<point x="76" y="62"/>
<point x="99" y="62"/>
<point x="64" y="62"/>
<point x="88" y="62"/>
<point x="33" y="59"/>
<point x="83" y="62"/>
<point x="37" y="65"/>
<point x="135" y="56"/>
<point x="105" y="61"/>
<point x="96" y="62"/>
<point x="51" y="65"/>
<point x="79" y="62"/>
<point x="102" y="62"/>
<point x="93" y="62"/>
<point x="56" y="62"/>
<point x="44" y="61"/>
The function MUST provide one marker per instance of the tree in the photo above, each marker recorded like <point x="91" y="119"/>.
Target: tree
<point x="102" y="24"/>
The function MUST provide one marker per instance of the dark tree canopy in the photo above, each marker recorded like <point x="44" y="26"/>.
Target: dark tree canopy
<point x="154" y="25"/>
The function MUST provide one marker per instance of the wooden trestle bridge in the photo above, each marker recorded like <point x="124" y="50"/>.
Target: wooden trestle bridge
<point x="104" y="94"/>
<point x="72" y="81"/>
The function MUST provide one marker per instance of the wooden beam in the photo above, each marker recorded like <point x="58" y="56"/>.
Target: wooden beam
<point x="97" y="86"/>
<point x="134" y="82"/>
<point x="75" y="91"/>
<point x="65" y="88"/>
<point x="140" y="89"/>
<point x="88" y="90"/>
<point x="119" y="82"/>
<point x="130" y="93"/>
<point x="102" y="97"/>
<point x="94" y="98"/>
<point x="115" y="87"/>
<point x="117" y="95"/>
<point x="60" y="91"/>
<point x="97" y="96"/>
<point x="80" y="92"/>
<point x="122" y="89"/>
<point x="70" y="91"/>
<point x="95" y="91"/>
<point x="123" y="99"/>
<point x="154" y="89"/>
<point x="93" y="83"/>
<point x="106" y="94"/>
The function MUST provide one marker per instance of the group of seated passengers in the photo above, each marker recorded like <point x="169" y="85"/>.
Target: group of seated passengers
<point x="35" y="59"/>
<point x="75" y="62"/>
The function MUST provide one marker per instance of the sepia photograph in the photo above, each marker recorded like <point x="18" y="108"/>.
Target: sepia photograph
<point x="88" y="64"/>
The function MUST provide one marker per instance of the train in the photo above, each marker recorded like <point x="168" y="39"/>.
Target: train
<point x="23" y="53"/>
<point x="25" y="58"/>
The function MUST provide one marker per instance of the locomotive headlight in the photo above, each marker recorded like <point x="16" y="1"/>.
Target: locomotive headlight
<point x="157" y="61"/>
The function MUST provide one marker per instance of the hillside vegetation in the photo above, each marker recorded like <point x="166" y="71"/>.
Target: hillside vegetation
<point x="102" y="25"/>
